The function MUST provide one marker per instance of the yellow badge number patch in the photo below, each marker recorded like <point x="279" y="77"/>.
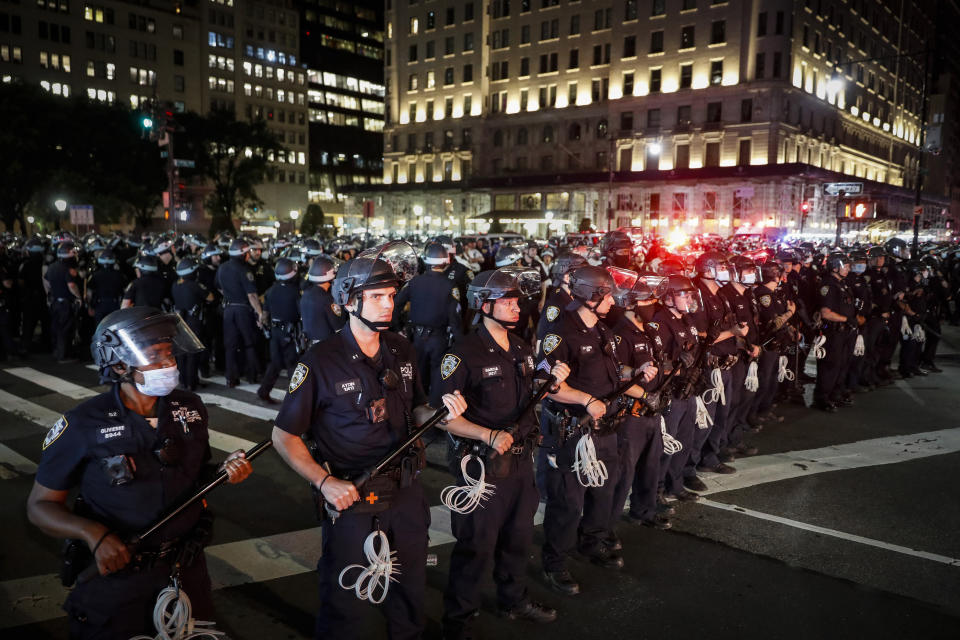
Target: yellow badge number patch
<point x="58" y="428"/>
<point x="552" y="313"/>
<point x="299" y="375"/>
<point x="550" y="342"/>
<point x="765" y="301"/>
<point x="448" y="365"/>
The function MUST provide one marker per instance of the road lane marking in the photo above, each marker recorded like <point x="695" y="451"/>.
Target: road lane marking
<point x="14" y="465"/>
<point x="58" y="385"/>
<point x="841" y="457"/>
<point x="239" y="406"/>
<point x="27" y="410"/>
<point x="903" y="386"/>
<point x="276" y="394"/>
<point x="953" y="562"/>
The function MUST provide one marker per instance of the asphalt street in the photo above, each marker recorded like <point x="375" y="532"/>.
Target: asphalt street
<point x="845" y="526"/>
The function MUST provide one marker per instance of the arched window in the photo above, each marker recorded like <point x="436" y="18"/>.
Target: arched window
<point x="548" y="133"/>
<point x="574" y="132"/>
<point x="522" y="136"/>
<point x="498" y="138"/>
<point x="602" y="128"/>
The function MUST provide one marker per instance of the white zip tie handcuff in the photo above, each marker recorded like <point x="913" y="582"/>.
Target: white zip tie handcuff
<point x="586" y="464"/>
<point x="752" y="381"/>
<point x="859" y="348"/>
<point x="465" y="499"/>
<point x="819" y="351"/>
<point x="919" y="334"/>
<point x="715" y="393"/>
<point x="173" y="620"/>
<point x="783" y="373"/>
<point x="670" y="444"/>
<point x="380" y="571"/>
<point x="905" y="331"/>
<point x="704" y="421"/>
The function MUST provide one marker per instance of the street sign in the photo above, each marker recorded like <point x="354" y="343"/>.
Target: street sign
<point x="848" y="188"/>
<point x="189" y="164"/>
<point x="918" y="211"/>
<point x="81" y="214"/>
<point x="368" y="208"/>
<point x="744" y="192"/>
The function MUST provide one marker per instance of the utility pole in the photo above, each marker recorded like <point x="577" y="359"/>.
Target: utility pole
<point x="918" y="195"/>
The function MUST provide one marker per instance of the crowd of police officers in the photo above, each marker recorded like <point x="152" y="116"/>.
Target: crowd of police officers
<point x="654" y="365"/>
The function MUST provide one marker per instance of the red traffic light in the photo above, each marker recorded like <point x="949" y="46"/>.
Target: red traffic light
<point x="805" y="207"/>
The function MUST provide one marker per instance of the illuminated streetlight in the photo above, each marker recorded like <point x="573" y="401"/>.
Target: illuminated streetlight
<point x="294" y="214"/>
<point x="835" y="84"/>
<point x="60" y="204"/>
<point x="654" y="148"/>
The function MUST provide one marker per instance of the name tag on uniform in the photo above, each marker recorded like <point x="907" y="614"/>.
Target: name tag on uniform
<point x="406" y="371"/>
<point x="349" y="386"/>
<point x="492" y="372"/>
<point x="586" y="348"/>
<point x="112" y="432"/>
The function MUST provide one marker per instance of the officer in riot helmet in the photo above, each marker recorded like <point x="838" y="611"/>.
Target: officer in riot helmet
<point x="321" y="317"/>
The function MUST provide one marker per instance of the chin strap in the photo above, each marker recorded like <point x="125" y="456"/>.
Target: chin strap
<point x="373" y="326"/>
<point x="509" y="326"/>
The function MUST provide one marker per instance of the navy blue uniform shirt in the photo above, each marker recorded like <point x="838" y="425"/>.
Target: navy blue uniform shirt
<point x="321" y="316"/>
<point x="282" y="301"/>
<point x="235" y="279"/>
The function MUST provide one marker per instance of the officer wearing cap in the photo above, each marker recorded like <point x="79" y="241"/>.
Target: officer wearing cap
<point x="558" y="298"/>
<point x="189" y="299"/>
<point x="838" y="326"/>
<point x="638" y="436"/>
<point x="133" y="453"/>
<point x="242" y="314"/>
<point x="434" y="316"/>
<point x="571" y="519"/>
<point x="65" y="299"/>
<point x="320" y="315"/>
<point x="149" y="289"/>
<point x="358" y="395"/>
<point x="282" y="305"/>
<point x="105" y="287"/>
<point x="672" y="330"/>
<point x="494" y="370"/>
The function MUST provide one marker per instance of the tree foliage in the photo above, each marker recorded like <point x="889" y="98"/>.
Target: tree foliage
<point x="312" y="222"/>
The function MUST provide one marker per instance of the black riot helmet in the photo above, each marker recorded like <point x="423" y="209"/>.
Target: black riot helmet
<point x="323" y="269"/>
<point x="507" y="256"/>
<point x="898" y="248"/>
<point x="107" y="257"/>
<point x="131" y="336"/>
<point x="34" y="246"/>
<point x="435" y="254"/>
<point x="836" y="261"/>
<point x="647" y="286"/>
<point x="285" y="269"/>
<point x="66" y="250"/>
<point x="564" y="264"/>
<point x="874" y="255"/>
<point x="617" y="247"/>
<point x="589" y="285"/>
<point x="187" y="266"/>
<point x="145" y="263"/>
<point x="671" y="266"/>
<point x="211" y="250"/>
<point x="711" y="265"/>
<point x="745" y="271"/>
<point x="312" y="247"/>
<point x="505" y="282"/>
<point x="770" y="272"/>
<point x="389" y="265"/>
<point x="681" y="294"/>
<point x="238" y="248"/>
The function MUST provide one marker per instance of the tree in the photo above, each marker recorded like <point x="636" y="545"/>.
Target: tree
<point x="232" y="155"/>
<point x="313" y="220"/>
<point x="586" y="225"/>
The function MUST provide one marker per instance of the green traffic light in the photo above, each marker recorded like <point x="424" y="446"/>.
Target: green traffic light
<point x="147" y="122"/>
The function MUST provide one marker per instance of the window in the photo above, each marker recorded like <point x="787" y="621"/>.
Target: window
<point x="525" y="34"/>
<point x="687" y="37"/>
<point x="595" y="90"/>
<point x="449" y="46"/>
<point x="630" y="10"/>
<point x="431" y="50"/>
<point x="412" y="82"/>
<point x="601" y="54"/>
<point x="467" y="104"/>
<point x="686" y="76"/>
<point x="777" y="58"/>
<point x="575" y="24"/>
<point x="716" y="72"/>
<point x="761" y="24"/>
<point x="743" y="153"/>
<point x="628" y="83"/>
<point x="448" y="76"/>
<point x="778" y="28"/>
<point x="746" y="110"/>
<point x="718" y="32"/>
<point x="574" y="132"/>
<point x="658" y="7"/>
<point x="430" y="110"/>
<point x="414" y="26"/>
<point x="714" y="111"/>
<point x="683" y="157"/>
<point x="431" y="80"/>
<point x="178" y="57"/>
<point x="412" y="55"/>
<point x="467" y="42"/>
<point x="656" y="42"/>
<point x="572" y="93"/>
<point x="602" y="129"/>
<point x="178" y="84"/>
<point x="626" y="120"/>
<point x="451" y="16"/>
<point x="448" y="108"/>
<point x="601" y="19"/>
<point x="574" y="60"/>
<point x="524" y="67"/>
<point x="653" y="119"/>
<point x="468" y="12"/>
<point x="547" y="134"/>
<point x="655" y="75"/>
<point x="806" y="36"/>
<point x="524" y="99"/>
<point x="629" y="46"/>
<point x="413" y="112"/>
<point x="760" y="69"/>
<point x="431" y="19"/>
<point x="683" y="116"/>
<point x="712" y="154"/>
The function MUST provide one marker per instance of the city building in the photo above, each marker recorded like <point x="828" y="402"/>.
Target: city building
<point x="239" y="55"/>
<point x="708" y="116"/>
<point x="341" y="43"/>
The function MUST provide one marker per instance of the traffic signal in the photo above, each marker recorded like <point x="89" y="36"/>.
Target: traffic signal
<point x="859" y="210"/>
<point x="805" y="208"/>
<point x="147" y="123"/>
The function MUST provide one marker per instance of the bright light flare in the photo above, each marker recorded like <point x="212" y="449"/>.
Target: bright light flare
<point x="676" y="238"/>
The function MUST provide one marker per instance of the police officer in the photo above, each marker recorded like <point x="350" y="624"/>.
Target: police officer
<point x="434" y="316"/>
<point x="189" y="299"/>
<point x="105" y="287"/>
<point x="65" y="299"/>
<point x="839" y="322"/>
<point x="320" y="315"/>
<point x="639" y="437"/>
<point x="242" y="314"/>
<point x="775" y="309"/>
<point x="263" y="275"/>
<point x="617" y="249"/>
<point x="212" y="316"/>
<point x="149" y="289"/>
<point x="358" y="394"/>
<point x="494" y="370"/>
<point x="118" y="450"/>
<point x="558" y="297"/>
<point x="879" y="334"/>
<point x="858" y="378"/>
<point x="163" y="249"/>
<point x="282" y="305"/>
<point x="33" y="299"/>
<point x="577" y="515"/>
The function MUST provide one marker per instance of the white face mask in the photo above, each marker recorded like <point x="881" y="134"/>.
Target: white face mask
<point x="749" y="277"/>
<point x="159" y="382"/>
<point x="723" y="276"/>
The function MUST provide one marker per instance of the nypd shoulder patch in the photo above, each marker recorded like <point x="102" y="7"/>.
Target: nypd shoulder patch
<point x="765" y="301"/>
<point x="455" y="293"/>
<point x="824" y="290"/>
<point x="552" y="313"/>
<point x="55" y="431"/>
<point x="335" y="308"/>
<point x="299" y="375"/>
<point x="448" y="365"/>
<point x="250" y="276"/>
<point x="550" y="342"/>
<point x="654" y="325"/>
<point x="617" y="338"/>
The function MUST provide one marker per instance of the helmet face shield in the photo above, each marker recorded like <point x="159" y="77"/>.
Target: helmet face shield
<point x="623" y="279"/>
<point x="399" y="254"/>
<point x="657" y="284"/>
<point x="156" y="340"/>
<point x="505" y="282"/>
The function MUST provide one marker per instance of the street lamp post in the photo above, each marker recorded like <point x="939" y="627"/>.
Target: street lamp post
<point x="61" y="205"/>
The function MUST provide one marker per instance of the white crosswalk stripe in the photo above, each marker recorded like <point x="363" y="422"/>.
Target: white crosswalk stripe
<point x="14" y="465"/>
<point x="59" y="385"/>
<point x="276" y="394"/>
